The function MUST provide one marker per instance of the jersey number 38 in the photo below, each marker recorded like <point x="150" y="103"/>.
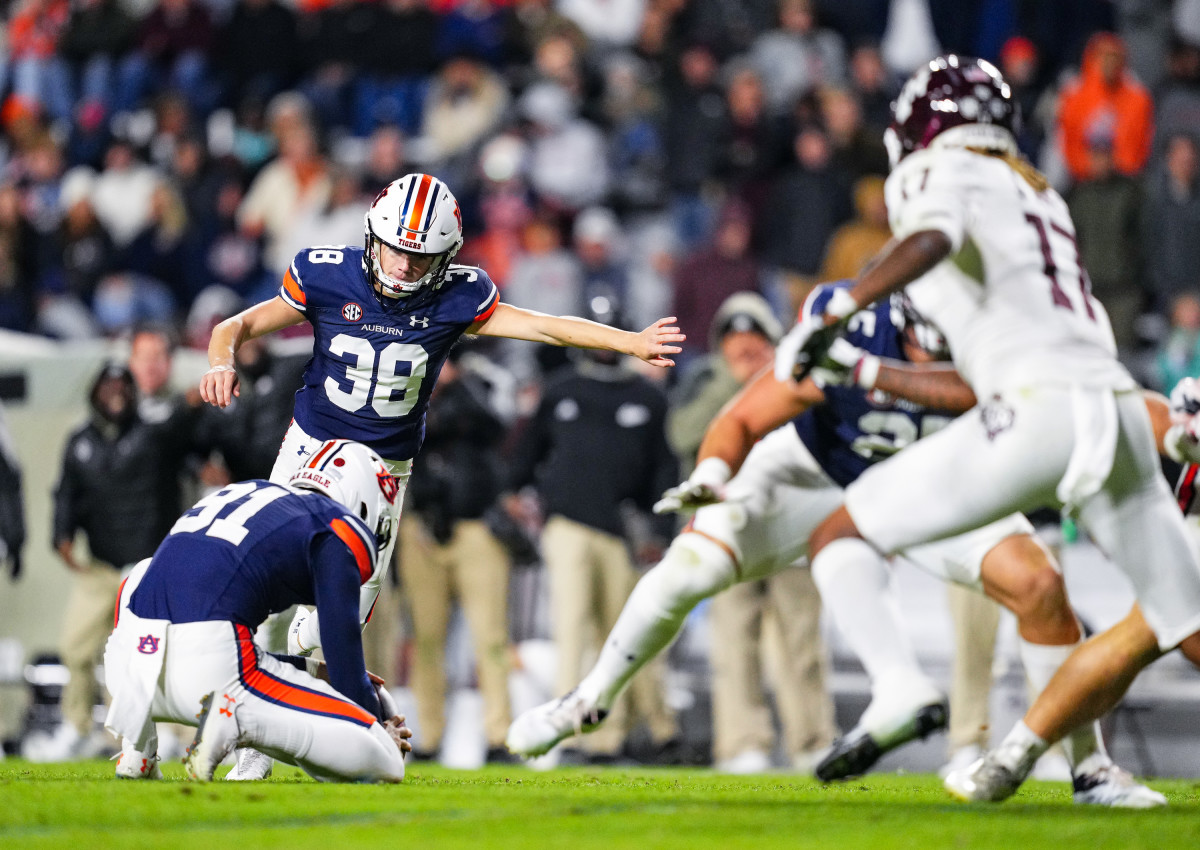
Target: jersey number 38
<point x="374" y="376"/>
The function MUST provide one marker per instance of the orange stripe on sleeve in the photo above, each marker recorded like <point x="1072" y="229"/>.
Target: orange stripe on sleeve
<point x="491" y="308"/>
<point x="117" y="607"/>
<point x="355" y="543"/>
<point x="292" y="288"/>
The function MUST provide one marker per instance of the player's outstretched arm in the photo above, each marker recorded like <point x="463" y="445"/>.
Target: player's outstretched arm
<point x="903" y="262"/>
<point x="654" y="344"/>
<point x="763" y="405"/>
<point x="219" y="384"/>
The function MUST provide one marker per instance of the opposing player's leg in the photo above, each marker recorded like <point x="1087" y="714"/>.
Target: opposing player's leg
<point x="777" y="497"/>
<point x="1135" y="521"/>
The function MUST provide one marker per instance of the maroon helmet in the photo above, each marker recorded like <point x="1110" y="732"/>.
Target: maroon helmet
<point x="949" y="92"/>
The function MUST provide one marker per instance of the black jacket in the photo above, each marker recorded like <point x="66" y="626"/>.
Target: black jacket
<point x="457" y="474"/>
<point x="597" y="440"/>
<point x="120" y="486"/>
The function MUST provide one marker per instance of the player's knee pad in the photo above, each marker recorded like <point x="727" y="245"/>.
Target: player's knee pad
<point x="693" y="569"/>
<point x="847" y="557"/>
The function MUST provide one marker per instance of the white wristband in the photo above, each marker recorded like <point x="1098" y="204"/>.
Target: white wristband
<point x="311" y="666"/>
<point x="866" y="373"/>
<point x="221" y="368"/>
<point x="841" y="304"/>
<point x="711" y="472"/>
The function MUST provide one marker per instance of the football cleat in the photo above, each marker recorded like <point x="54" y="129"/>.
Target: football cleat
<point x="985" y="781"/>
<point x="537" y="730"/>
<point x="856" y="753"/>
<point x="1114" y="787"/>
<point x="216" y="736"/>
<point x="134" y="764"/>
<point x="251" y="766"/>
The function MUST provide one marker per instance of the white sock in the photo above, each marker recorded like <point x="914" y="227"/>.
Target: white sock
<point x="1020" y="750"/>
<point x="1084" y="743"/>
<point x="693" y="569"/>
<point x="855" y="585"/>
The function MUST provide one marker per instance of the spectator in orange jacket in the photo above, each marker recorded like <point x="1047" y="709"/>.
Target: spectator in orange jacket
<point x="1106" y="104"/>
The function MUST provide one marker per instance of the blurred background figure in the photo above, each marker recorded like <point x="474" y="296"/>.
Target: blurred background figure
<point x="118" y="485"/>
<point x="766" y="635"/>
<point x="448" y="557"/>
<point x="596" y="448"/>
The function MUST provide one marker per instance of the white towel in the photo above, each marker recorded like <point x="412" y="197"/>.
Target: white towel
<point x="1096" y="427"/>
<point x="133" y="659"/>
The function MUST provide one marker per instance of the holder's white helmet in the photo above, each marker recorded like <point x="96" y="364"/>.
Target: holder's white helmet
<point x="356" y="477"/>
<point x="417" y="214"/>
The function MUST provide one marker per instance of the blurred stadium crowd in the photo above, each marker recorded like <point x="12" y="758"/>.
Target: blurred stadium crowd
<point x="161" y="163"/>
<point x="164" y="161"/>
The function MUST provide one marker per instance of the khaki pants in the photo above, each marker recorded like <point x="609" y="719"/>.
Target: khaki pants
<point x="473" y="568"/>
<point x="381" y="637"/>
<point x="87" y="623"/>
<point x="743" y="618"/>
<point x="591" y="576"/>
<point x="975" y="618"/>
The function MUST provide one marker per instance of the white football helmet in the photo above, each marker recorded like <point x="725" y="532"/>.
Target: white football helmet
<point x="356" y="477"/>
<point x="417" y="214"/>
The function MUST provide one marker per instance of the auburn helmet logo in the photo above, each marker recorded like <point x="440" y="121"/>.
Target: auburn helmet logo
<point x="389" y="486"/>
<point x="351" y="312"/>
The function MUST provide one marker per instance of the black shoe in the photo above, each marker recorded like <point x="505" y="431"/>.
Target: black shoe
<point x="422" y="755"/>
<point x="501" y="755"/>
<point x="856" y="754"/>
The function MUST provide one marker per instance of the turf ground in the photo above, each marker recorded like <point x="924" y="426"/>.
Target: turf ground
<point x="80" y="806"/>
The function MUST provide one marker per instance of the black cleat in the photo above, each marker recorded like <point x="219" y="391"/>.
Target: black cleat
<point x="857" y="753"/>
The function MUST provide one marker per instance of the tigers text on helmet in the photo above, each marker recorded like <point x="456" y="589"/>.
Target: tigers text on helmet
<point x="416" y="214"/>
<point x="357" y="478"/>
<point x="960" y="101"/>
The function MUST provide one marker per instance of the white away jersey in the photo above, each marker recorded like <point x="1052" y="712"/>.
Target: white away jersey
<point x="1013" y="298"/>
<point x="374" y="365"/>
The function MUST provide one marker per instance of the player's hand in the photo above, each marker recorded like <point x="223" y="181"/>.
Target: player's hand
<point x="1185" y="397"/>
<point x="399" y="733"/>
<point x="839" y="366"/>
<point x="654" y="343"/>
<point x="688" y="497"/>
<point x="219" y="385"/>
<point x="1182" y="440"/>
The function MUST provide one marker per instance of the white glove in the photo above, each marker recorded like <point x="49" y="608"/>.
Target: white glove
<point x="806" y="343"/>
<point x="846" y="365"/>
<point x="705" y="486"/>
<point x="789" y="348"/>
<point x="300" y="641"/>
<point x="1182" y="440"/>
<point x="1185" y="398"/>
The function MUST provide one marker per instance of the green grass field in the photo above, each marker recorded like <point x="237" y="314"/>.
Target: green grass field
<point x="80" y="806"/>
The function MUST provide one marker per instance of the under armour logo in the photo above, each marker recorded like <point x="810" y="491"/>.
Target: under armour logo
<point x="302" y="452"/>
<point x="421" y="322"/>
<point x="227" y="709"/>
<point x="148" y="645"/>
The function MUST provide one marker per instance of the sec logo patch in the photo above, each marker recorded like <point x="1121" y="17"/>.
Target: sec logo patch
<point x="351" y="312"/>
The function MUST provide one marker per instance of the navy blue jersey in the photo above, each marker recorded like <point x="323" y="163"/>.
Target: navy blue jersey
<point x="256" y="548"/>
<point x="855" y="428"/>
<point x="374" y="366"/>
